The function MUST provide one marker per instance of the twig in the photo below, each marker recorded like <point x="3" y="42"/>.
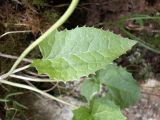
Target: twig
<point x="35" y="74"/>
<point x="21" y="68"/>
<point x="14" y="32"/>
<point x="18" y="70"/>
<point x="14" y="57"/>
<point x="28" y="80"/>
<point x="35" y="90"/>
<point x="33" y="79"/>
<point x="53" y="87"/>
<point x="30" y="84"/>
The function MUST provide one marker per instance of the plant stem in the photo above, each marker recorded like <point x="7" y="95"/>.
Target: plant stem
<point x="21" y="68"/>
<point x="14" y="32"/>
<point x="14" y="57"/>
<point x="32" y="79"/>
<point x="35" y="90"/>
<point x="64" y="17"/>
<point x="17" y="70"/>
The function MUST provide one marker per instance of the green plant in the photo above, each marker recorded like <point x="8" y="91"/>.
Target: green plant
<point x="71" y="54"/>
<point x="149" y="43"/>
<point x="12" y="106"/>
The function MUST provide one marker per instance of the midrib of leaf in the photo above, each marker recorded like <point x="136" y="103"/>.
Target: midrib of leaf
<point x="84" y="62"/>
<point x="79" y="54"/>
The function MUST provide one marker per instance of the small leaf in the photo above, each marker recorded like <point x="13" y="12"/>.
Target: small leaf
<point x="99" y="109"/>
<point x="82" y="113"/>
<point x="123" y="89"/>
<point x="71" y="54"/>
<point x="89" y="88"/>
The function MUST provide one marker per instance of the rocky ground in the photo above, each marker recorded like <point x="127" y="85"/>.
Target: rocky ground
<point x="148" y="108"/>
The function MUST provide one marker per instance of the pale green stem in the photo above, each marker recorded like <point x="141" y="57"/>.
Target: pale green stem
<point x="22" y="68"/>
<point x="35" y="90"/>
<point x="14" y="32"/>
<point x="32" y="79"/>
<point x="17" y="70"/>
<point x="42" y="37"/>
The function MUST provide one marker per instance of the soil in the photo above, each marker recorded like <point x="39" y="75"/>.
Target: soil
<point x="106" y="14"/>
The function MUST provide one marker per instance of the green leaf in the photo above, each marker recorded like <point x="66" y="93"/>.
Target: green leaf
<point x="89" y="88"/>
<point x="71" y="54"/>
<point x="99" y="109"/>
<point x="123" y="89"/>
<point x="82" y="113"/>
